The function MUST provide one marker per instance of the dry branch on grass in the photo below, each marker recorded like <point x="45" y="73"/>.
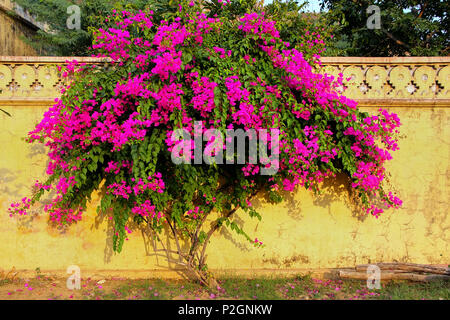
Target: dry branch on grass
<point x="11" y="275"/>
<point x="399" y="271"/>
<point x="407" y="267"/>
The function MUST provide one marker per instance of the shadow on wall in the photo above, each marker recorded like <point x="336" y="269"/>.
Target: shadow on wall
<point x="151" y="244"/>
<point x="12" y="188"/>
<point x="339" y="189"/>
<point x="332" y="190"/>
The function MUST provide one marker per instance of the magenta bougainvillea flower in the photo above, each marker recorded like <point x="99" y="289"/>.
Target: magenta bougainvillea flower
<point x="111" y="129"/>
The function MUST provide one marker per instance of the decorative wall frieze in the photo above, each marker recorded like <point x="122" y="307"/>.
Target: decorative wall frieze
<point x="397" y="81"/>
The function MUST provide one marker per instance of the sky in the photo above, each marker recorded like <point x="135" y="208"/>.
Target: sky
<point x="312" y="6"/>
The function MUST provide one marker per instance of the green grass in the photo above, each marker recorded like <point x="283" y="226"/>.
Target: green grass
<point x="406" y="291"/>
<point x="4" y="282"/>
<point x="241" y="288"/>
<point x="262" y="288"/>
<point x="270" y="288"/>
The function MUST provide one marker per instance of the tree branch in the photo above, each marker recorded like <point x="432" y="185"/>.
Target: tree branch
<point x="399" y="42"/>
<point x="422" y="10"/>
<point x="217" y="226"/>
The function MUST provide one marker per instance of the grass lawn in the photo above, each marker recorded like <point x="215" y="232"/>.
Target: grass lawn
<point x="298" y="288"/>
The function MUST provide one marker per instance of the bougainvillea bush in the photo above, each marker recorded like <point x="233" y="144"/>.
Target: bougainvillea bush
<point x="111" y="129"/>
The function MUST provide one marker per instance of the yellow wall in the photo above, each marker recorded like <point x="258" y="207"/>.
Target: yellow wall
<point x="304" y="232"/>
<point x="12" y="33"/>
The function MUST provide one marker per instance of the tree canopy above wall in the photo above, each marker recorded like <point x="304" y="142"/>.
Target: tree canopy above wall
<point x="408" y="28"/>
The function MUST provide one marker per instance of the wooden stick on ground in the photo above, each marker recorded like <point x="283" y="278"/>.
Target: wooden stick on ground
<point x="393" y="276"/>
<point x="407" y="267"/>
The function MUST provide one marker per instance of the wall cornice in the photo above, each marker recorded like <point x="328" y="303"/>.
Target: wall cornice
<point x="372" y="81"/>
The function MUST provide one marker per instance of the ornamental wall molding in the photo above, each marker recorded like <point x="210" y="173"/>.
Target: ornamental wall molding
<point x="377" y="82"/>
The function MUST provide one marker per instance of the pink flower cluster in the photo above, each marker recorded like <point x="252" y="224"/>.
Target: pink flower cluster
<point x="194" y="213"/>
<point x="154" y="182"/>
<point x="20" y="208"/>
<point x="115" y="167"/>
<point x="146" y="209"/>
<point x="174" y="93"/>
<point x="203" y="99"/>
<point x="255" y="23"/>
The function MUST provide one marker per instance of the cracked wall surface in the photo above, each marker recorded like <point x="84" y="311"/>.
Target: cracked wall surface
<point x="305" y="231"/>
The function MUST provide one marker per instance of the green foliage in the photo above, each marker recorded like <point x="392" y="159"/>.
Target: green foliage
<point x="58" y="40"/>
<point x="111" y="129"/>
<point x="411" y="27"/>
